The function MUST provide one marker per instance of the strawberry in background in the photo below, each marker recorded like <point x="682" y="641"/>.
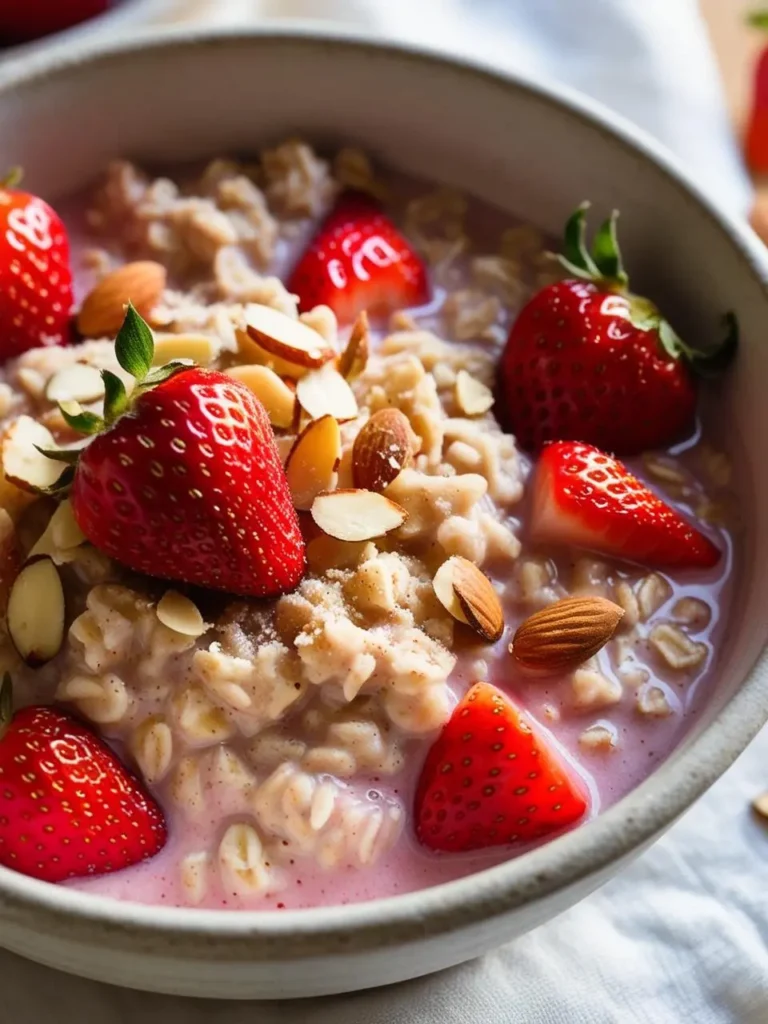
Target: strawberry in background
<point x="24" y="20"/>
<point x="756" y="139"/>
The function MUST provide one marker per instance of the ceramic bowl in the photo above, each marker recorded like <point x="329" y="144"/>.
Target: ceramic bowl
<point x="531" y="150"/>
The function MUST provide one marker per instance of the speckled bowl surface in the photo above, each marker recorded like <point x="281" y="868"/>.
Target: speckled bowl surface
<point x="530" y="149"/>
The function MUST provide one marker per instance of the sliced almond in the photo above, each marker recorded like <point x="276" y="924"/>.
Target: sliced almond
<point x="23" y="465"/>
<point x="760" y="805"/>
<point x="36" y="612"/>
<point x="357" y="514"/>
<point x="199" y="348"/>
<point x="103" y="310"/>
<point x="467" y="594"/>
<point x="10" y="558"/>
<point x="382" y="448"/>
<point x="77" y="383"/>
<point x="289" y="339"/>
<point x="313" y="460"/>
<point x="565" y="634"/>
<point x="61" y="535"/>
<point x="324" y="392"/>
<point x="180" y="614"/>
<point x="472" y="396"/>
<point x="277" y="397"/>
<point x="251" y="352"/>
<point x="354" y="357"/>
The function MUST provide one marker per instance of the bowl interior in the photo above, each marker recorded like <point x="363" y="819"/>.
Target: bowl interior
<point x="506" y="142"/>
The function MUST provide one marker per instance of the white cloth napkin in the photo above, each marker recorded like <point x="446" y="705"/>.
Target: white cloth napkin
<point x="683" y="934"/>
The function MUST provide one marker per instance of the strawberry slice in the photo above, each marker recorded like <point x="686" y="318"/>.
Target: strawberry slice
<point x="359" y="261"/>
<point x="587" y="499"/>
<point x="492" y="778"/>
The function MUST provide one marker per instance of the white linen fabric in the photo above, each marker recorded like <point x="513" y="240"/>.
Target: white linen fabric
<point x="682" y="935"/>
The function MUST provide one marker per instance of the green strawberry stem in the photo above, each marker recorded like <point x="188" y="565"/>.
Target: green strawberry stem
<point x="603" y="266"/>
<point x="758" y="19"/>
<point x="11" y="178"/>
<point x="6" y="703"/>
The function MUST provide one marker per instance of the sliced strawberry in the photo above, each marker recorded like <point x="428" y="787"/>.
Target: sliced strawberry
<point x="359" y="261"/>
<point x="68" y="807"/>
<point x="492" y="778"/>
<point x="585" y="498"/>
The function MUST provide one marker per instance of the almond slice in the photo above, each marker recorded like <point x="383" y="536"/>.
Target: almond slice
<point x="313" y="460"/>
<point x="382" y="448"/>
<point x="760" y="806"/>
<point x="472" y="396"/>
<point x="23" y="465"/>
<point x="199" y="348"/>
<point x="251" y="352"/>
<point x="289" y="339"/>
<point x="10" y="558"/>
<point x="180" y="614"/>
<point x="565" y="634"/>
<point x="277" y="397"/>
<point x="354" y="357"/>
<point x="325" y="392"/>
<point x="468" y="595"/>
<point x="357" y="514"/>
<point x="36" y="612"/>
<point x="77" y="383"/>
<point x="141" y="283"/>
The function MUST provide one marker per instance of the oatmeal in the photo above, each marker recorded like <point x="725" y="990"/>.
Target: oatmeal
<point x="414" y="549"/>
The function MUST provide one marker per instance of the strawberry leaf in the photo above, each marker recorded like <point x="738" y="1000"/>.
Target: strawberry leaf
<point x="59" y="488"/>
<point x="68" y="455"/>
<point x="576" y="258"/>
<point x="758" y="19"/>
<point x="115" y="396"/>
<point x="80" y="420"/>
<point x="162" y="373"/>
<point x="134" y="345"/>
<point x="606" y="253"/>
<point x="712" y="363"/>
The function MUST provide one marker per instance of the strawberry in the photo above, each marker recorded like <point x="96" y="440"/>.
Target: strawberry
<point x="584" y="498"/>
<point x="35" y="279"/>
<point x="589" y="361"/>
<point x="492" y="778"/>
<point x="187" y="484"/>
<point x="32" y="19"/>
<point x="756" y="138"/>
<point x="359" y="261"/>
<point x="68" y="807"/>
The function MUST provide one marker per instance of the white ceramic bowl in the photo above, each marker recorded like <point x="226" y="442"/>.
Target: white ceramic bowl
<point x="532" y="150"/>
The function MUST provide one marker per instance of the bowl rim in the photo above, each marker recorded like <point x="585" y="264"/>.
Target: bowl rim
<point x="623" y="830"/>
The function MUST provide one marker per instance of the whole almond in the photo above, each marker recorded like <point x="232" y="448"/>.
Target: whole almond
<point x="103" y="310"/>
<point x="565" y="634"/>
<point x="382" y="448"/>
<point x="468" y="595"/>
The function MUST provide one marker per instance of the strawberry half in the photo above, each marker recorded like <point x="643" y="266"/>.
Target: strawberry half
<point x="587" y="360"/>
<point x="584" y="498"/>
<point x="68" y="807"/>
<point x="492" y="778"/>
<point x="185" y="481"/>
<point x="359" y="261"/>
<point x="35" y="278"/>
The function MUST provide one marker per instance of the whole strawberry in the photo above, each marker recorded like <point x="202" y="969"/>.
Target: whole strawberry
<point x="587" y="360"/>
<point x="35" y="279"/>
<point x="359" y="261"/>
<point x="493" y="778"/>
<point x="183" y="480"/>
<point x="68" y="807"/>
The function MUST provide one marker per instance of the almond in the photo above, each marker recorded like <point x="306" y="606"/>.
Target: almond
<point x="565" y="634"/>
<point x="76" y="383"/>
<point x="252" y="353"/>
<point x="313" y="460"/>
<point x="180" y="614"/>
<point x="324" y="392"/>
<point x="472" y="396"/>
<point x="289" y="339"/>
<point x="354" y="357"/>
<point x="277" y="397"/>
<point x="381" y="449"/>
<point x="467" y="593"/>
<point x="103" y="311"/>
<point x="760" y="806"/>
<point x="36" y="612"/>
<point x="357" y="514"/>
<point x="23" y="465"/>
<point x="198" y="348"/>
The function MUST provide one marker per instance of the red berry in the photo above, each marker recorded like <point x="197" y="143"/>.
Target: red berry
<point x="31" y="19"/>
<point x="35" y="279"/>
<point x="584" y="498"/>
<point x="189" y="486"/>
<point x="756" y="138"/>
<point x="492" y="778"/>
<point x="359" y="261"/>
<point x="68" y="807"/>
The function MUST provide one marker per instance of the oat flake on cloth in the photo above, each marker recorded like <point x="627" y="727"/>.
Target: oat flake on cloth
<point x="682" y="936"/>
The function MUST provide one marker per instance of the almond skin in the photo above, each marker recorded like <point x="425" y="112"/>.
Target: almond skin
<point x="468" y="595"/>
<point x="565" y="634"/>
<point x="381" y="449"/>
<point x="102" y="313"/>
